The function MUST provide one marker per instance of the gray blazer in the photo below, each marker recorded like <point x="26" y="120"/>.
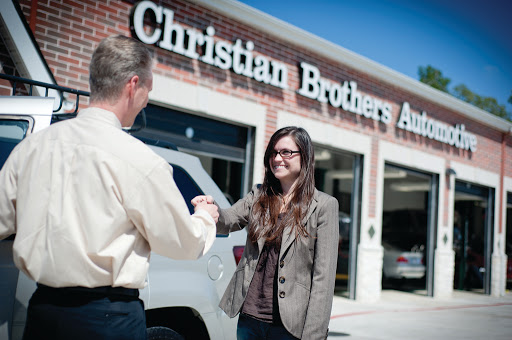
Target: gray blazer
<point x="306" y="270"/>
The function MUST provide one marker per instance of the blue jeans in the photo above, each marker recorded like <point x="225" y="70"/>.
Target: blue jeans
<point x="253" y="329"/>
<point x="57" y="315"/>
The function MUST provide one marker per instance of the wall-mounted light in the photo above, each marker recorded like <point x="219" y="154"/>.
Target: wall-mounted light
<point x="450" y="172"/>
<point x="189" y="132"/>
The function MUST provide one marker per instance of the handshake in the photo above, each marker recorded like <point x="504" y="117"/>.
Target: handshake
<point x="206" y="202"/>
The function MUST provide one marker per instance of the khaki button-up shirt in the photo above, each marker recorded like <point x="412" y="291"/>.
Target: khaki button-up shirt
<point x="88" y="203"/>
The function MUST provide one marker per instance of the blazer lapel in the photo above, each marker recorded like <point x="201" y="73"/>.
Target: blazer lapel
<point x="288" y="235"/>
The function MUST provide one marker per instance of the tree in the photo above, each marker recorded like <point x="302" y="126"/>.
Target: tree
<point x="488" y="104"/>
<point x="434" y="77"/>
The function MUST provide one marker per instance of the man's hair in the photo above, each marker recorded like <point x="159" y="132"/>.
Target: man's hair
<point x="114" y="62"/>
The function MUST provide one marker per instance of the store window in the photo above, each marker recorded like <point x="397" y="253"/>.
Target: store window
<point x="339" y="174"/>
<point x="408" y="229"/>
<point x="472" y="236"/>
<point x="225" y="150"/>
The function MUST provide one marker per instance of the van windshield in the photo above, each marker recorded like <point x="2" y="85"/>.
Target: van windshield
<point x="11" y="133"/>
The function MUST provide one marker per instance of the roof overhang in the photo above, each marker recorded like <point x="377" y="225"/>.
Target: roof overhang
<point x="292" y="34"/>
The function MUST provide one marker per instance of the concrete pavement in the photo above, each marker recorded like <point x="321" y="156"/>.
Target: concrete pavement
<point x="402" y="315"/>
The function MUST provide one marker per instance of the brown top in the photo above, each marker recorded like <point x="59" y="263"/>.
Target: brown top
<point x="261" y="300"/>
<point x="261" y="296"/>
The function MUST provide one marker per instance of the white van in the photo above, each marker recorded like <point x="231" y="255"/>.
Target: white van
<point x="181" y="297"/>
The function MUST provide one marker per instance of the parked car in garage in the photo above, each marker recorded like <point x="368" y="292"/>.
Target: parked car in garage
<point x="404" y="239"/>
<point x="402" y="264"/>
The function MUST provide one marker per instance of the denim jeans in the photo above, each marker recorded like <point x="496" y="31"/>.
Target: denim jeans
<point x="253" y="329"/>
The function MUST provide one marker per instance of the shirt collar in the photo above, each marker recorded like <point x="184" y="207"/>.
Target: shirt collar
<point x="100" y="115"/>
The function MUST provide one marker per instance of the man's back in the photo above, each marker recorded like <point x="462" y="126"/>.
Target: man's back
<point x="81" y="204"/>
<point x="88" y="204"/>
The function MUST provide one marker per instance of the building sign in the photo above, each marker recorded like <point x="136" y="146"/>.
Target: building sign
<point x="344" y="96"/>
<point x="171" y="36"/>
<point x="221" y="54"/>
<point x="422" y="125"/>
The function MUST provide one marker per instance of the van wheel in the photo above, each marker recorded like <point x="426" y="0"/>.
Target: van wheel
<point x="163" y="333"/>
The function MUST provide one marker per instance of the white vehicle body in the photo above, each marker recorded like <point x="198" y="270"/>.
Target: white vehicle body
<point x="402" y="264"/>
<point x="178" y="295"/>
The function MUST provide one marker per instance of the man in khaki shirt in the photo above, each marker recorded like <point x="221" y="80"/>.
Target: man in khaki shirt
<point x="88" y="203"/>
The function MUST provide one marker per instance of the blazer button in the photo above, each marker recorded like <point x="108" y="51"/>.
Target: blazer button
<point x="281" y="295"/>
<point x="281" y="279"/>
<point x="281" y="264"/>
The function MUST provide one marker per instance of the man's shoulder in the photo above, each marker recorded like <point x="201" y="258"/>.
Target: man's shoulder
<point x="100" y="140"/>
<point x="136" y="153"/>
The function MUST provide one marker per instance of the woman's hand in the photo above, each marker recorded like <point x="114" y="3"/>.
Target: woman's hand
<point x="205" y="202"/>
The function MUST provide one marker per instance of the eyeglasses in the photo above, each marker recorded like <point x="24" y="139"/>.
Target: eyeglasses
<point x="285" y="153"/>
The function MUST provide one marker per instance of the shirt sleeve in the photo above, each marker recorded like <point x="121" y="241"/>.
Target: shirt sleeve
<point x="235" y="217"/>
<point x="160" y="213"/>
<point x="8" y="189"/>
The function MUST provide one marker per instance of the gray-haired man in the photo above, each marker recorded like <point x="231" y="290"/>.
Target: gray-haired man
<point x="88" y="203"/>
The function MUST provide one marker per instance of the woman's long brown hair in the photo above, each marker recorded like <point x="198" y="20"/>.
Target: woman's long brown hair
<point x="268" y="205"/>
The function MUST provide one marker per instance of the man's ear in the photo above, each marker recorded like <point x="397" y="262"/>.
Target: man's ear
<point x="133" y="83"/>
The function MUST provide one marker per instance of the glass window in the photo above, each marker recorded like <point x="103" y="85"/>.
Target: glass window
<point x="334" y="175"/>
<point x="228" y="175"/>
<point x="11" y="133"/>
<point x="189" y="189"/>
<point x="471" y="223"/>
<point x="405" y="217"/>
<point x="224" y="149"/>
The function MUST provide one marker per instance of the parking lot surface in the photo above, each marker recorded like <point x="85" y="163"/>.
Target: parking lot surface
<point x="403" y="315"/>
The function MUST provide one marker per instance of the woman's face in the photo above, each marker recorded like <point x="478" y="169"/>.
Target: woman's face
<point x="285" y="169"/>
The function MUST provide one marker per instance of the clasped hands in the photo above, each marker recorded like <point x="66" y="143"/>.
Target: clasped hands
<point x="206" y="202"/>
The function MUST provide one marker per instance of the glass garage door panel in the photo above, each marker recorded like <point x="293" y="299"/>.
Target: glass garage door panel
<point x="472" y="225"/>
<point x="335" y="173"/>
<point x="405" y="227"/>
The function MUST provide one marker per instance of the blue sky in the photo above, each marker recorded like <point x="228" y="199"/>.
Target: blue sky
<point x="470" y="41"/>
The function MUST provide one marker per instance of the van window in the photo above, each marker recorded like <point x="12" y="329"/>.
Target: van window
<point x="11" y="133"/>
<point x="189" y="189"/>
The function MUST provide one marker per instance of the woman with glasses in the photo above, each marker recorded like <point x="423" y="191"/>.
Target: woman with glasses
<point x="284" y="283"/>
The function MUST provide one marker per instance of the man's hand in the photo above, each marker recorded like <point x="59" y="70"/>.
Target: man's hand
<point x="206" y="203"/>
<point x="202" y="199"/>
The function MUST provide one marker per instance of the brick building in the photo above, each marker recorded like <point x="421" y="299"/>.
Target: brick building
<point x="413" y="168"/>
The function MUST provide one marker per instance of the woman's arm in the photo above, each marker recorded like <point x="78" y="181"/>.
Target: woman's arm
<point x="234" y="218"/>
<point x="324" y="272"/>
